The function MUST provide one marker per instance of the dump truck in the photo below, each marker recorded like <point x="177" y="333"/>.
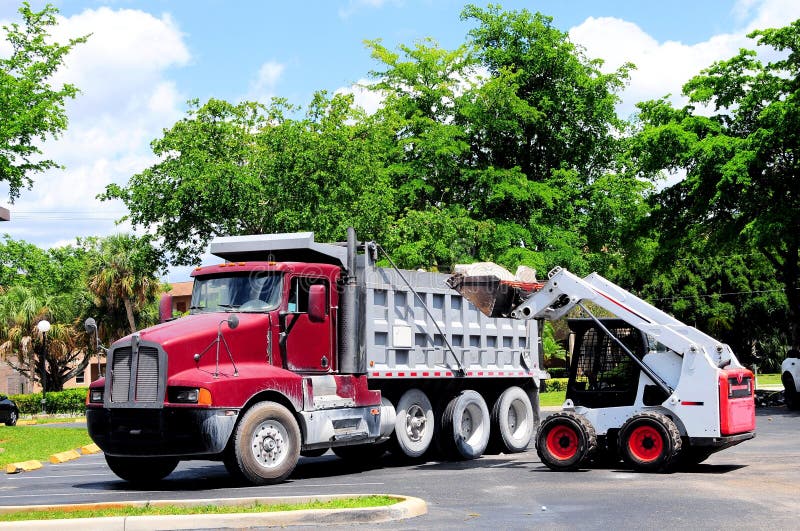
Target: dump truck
<point x="294" y="347"/>
<point x="642" y="386"/>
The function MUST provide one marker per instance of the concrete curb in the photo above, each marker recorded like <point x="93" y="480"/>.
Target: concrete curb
<point x="60" y="457"/>
<point x="63" y="457"/>
<point x="408" y="507"/>
<point x="23" y="466"/>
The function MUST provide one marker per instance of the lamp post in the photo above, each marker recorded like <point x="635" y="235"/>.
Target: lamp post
<point x="44" y="327"/>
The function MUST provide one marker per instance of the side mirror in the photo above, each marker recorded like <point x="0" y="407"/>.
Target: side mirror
<point x="165" y="308"/>
<point x="317" y="304"/>
<point x="233" y="321"/>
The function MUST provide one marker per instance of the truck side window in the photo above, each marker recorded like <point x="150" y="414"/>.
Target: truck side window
<point x="298" y="295"/>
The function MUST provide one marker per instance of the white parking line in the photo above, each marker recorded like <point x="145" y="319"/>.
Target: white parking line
<point x="17" y="478"/>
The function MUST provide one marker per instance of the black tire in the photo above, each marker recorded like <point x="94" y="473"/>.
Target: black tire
<point x="13" y="416"/>
<point x="565" y="441"/>
<point x="791" y="397"/>
<point x="141" y="470"/>
<point x="513" y="422"/>
<point x="414" y="424"/>
<point x="266" y="445"/>
<point x="650" y="442"/>
<point x="465" y="426"/>
<point x="361" y="453"/>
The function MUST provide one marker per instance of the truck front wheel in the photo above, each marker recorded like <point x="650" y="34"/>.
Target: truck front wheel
<point x="266" y="445"/>
<point x="141" y="470"/>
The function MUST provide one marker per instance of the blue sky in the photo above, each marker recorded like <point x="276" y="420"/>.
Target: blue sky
<point x="145" y="58"/>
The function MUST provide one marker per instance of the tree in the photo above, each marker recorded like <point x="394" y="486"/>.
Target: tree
<point x="121" y="277"/>
<point x="516" y="132"/>
<point x="64" y="353"/>
<point x="229" y="169"/>
<point x="31" y="108"/>
<point x="741" y="161"/>
<point x="56" y="269"/>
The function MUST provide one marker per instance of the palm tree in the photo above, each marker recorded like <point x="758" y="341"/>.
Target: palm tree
<point x="121" y="273"/>
<point x="22" y="346"/>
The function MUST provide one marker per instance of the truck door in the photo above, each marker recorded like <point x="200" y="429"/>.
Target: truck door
<point x="310" y="344"/>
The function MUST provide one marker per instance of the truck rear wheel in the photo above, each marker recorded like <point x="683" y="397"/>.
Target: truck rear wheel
<point x="266" y="445"/>
<point x="790" y="395"/>
<point x="650" y="442"/>
<point x="465" y="426"/>
<point x="141" y="470"/>
<point x="565" y="440"/>
<point x="512" y="421"/>
<point x="414" y="423"/>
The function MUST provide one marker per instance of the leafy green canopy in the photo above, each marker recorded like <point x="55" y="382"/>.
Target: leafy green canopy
<point x="740" y="153"/>
<point x="31" y="108"/>
<point x="503" y="149"/>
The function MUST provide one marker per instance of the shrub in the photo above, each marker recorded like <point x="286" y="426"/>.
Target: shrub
<point x="555" y="384"/>
<point x="557" y="372"/>
<point x="59" y="402"/>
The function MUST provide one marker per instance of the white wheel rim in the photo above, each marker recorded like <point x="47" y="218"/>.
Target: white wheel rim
<point x="270" y="444"/>
<point x="517" y="418"/>
<point x="415" y="423"/>
<point x="471" y="426"/>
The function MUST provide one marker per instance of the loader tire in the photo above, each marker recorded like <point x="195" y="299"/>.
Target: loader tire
<point x="650" y="442"/>
<point x="791" y="397"/>
<point x="565" y="441"/>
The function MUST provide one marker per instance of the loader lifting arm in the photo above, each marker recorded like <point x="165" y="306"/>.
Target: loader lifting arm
<point x="563" y="291"/>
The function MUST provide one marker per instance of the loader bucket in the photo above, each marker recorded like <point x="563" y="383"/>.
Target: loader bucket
<point x="492" y="296"/>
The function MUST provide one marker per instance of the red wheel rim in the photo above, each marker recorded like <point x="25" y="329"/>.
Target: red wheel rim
<point x="646" y="443"/>
<point x="562" y="442"/>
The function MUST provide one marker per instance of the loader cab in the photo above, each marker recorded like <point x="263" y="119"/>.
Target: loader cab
<point x="601" y="374"/>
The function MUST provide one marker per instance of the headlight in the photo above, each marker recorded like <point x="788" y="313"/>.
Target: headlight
<point x="96" y="396"/>
<point x="187" y="396"/>
<point x="190" y="395"/>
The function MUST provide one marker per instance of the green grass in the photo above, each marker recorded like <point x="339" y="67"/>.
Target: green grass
<point x="552" y="398"/>
<point x="54" y="420"/>
<point x="24" y="443"/>
<point x="768" y="379"/>
<point x="355" y="502"/>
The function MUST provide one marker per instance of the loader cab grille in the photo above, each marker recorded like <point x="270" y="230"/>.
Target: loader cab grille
<point x="601" y="373"/>
<point x="137" y="377"/>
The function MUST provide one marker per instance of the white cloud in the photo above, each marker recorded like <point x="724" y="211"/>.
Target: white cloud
<point x="126" y="100"/>
<point x="369" y="100"/>
<point x="664" y="67"/>
<point x="262" y="88"/>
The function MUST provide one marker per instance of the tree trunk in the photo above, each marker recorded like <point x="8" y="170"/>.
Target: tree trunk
<point x="129" y="313"/>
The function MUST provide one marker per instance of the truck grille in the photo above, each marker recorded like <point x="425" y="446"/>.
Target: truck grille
<point x="144" y="387"/>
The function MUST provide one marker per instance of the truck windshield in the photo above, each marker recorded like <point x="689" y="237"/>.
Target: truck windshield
<point x="246" y="292"/>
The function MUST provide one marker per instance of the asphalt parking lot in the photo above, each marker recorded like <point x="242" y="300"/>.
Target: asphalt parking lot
<point x="753" y="485"/>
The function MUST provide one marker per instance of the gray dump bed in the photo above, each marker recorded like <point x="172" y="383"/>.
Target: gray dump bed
<point x="401" y="340"/>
